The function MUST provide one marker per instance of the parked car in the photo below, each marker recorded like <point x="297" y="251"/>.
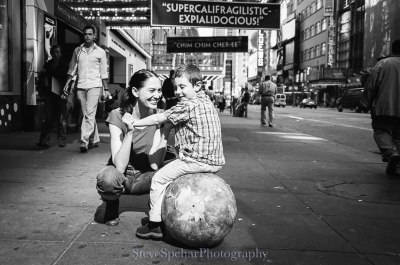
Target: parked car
<point x="350" y="99"/>
<point x="280" y="100"/>
<point x="308" y="103"/>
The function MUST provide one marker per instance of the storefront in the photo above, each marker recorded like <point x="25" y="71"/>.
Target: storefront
<point x="48" y="23"/>
<point x="11" y="63"/>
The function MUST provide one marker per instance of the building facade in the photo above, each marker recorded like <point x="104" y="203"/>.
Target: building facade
<point x="12" y="64"/>
<point x="27" y="31"/>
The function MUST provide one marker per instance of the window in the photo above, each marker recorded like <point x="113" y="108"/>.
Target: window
<point x="312" y="54"/>
<point x="323" y="48"/>
<point x="319" y="4"/>
<point x="307" y="55"/>
<point x="318" y="27"/>
<point x="313" y="8"/>
<point x="317" y="51"/>
<point x="300" y="16"/>
<point x="312" y="31"/>
<point x="309" y="11"/>
<point x="324" y="24"/>
<point x="289" y="8"/>
<point x="307" y="35"/>
<point x="344" y="36"/>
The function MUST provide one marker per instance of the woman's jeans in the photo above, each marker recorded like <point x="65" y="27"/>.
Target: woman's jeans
<point x="111" y="183"/>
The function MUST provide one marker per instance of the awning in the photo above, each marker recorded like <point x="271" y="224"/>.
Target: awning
<point x="324" y="84"/>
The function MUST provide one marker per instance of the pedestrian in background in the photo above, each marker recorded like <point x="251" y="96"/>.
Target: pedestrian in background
<point x="221" y="102"/>
<point x="51" y="82"/>
<point x="168" y="91"/>
<point x="382" y="97"/>
<point x="210" y="93"/>
<point x="267" y="93"/>
<point x="241" y="109"/>
<point x="89" y="62"/>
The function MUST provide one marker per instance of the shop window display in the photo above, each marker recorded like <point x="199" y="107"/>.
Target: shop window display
<point x="3" y="46"/>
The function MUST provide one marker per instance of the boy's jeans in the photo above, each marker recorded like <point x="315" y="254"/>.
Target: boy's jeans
<point x="169" y="173"/>
<point x="89" y="98"/>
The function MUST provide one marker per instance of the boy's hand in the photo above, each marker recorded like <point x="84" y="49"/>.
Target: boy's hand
<point x="129" y="120"/>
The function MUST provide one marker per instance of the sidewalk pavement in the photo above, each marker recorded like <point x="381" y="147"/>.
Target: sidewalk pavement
<point x="299" y="202"/>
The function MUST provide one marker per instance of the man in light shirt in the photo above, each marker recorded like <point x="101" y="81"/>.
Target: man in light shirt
<point x="89" y="62"/>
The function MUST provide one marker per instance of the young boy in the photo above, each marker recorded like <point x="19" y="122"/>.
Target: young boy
<point x="197" y="138"/>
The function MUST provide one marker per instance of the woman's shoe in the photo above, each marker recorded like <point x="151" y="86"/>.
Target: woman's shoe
<point x="111" y="216"/>
<point x="113" y="222"/>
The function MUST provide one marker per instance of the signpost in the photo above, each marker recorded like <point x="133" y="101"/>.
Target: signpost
<point x="215" y="14"/>
<point x="207" y="44"/>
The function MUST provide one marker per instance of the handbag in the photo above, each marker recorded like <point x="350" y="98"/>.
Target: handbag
<point x="72" y="85"/>
<point x="104" y="97"/>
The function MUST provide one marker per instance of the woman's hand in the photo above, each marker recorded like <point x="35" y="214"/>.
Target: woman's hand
<point x="128" y="119"/>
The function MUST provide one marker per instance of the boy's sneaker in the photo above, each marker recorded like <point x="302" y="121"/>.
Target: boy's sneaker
<point x="392" y="165"/>
<point x="151" y="230"/>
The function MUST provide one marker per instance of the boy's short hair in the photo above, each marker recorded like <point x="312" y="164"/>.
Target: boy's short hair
<point x="191" y="72"/>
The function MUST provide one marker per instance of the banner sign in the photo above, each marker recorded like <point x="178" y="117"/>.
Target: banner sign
<point x="215" y="14"/>
<point x="207" y="44"/>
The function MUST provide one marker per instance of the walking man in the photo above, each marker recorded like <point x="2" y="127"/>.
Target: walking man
<point x="89" y="62"/>
<point x="382" y="97"/>
<point x="267" y="93"/>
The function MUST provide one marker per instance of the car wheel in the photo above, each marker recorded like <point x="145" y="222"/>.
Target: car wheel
<point x="340" y="108"/>
<point x="358" y="109"/>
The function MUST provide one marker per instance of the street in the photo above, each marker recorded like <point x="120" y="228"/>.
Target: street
<point x="311" y="190"/>
<point x="346" y="128"/>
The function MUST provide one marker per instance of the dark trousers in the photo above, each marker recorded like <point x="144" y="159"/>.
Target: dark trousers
<point x="55" y="111"/>
<point x="387" y="135"/>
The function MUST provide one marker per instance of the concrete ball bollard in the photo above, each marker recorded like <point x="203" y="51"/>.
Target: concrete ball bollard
<point x="199" y="210"/>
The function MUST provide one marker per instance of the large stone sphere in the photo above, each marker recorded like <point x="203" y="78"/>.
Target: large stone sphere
<point x="199" y="210"/>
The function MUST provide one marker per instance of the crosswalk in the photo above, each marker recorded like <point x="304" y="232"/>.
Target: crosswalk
<point x="293" y="136"/>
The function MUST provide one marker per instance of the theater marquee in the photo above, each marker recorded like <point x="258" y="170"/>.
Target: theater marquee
<point x="215" y="14"/>
<point x="207" y="44"/>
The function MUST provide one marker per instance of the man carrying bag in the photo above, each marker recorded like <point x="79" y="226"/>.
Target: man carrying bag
<point x="90" y="63"/>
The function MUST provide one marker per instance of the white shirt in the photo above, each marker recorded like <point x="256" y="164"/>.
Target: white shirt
<point x="92" y="66"/>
